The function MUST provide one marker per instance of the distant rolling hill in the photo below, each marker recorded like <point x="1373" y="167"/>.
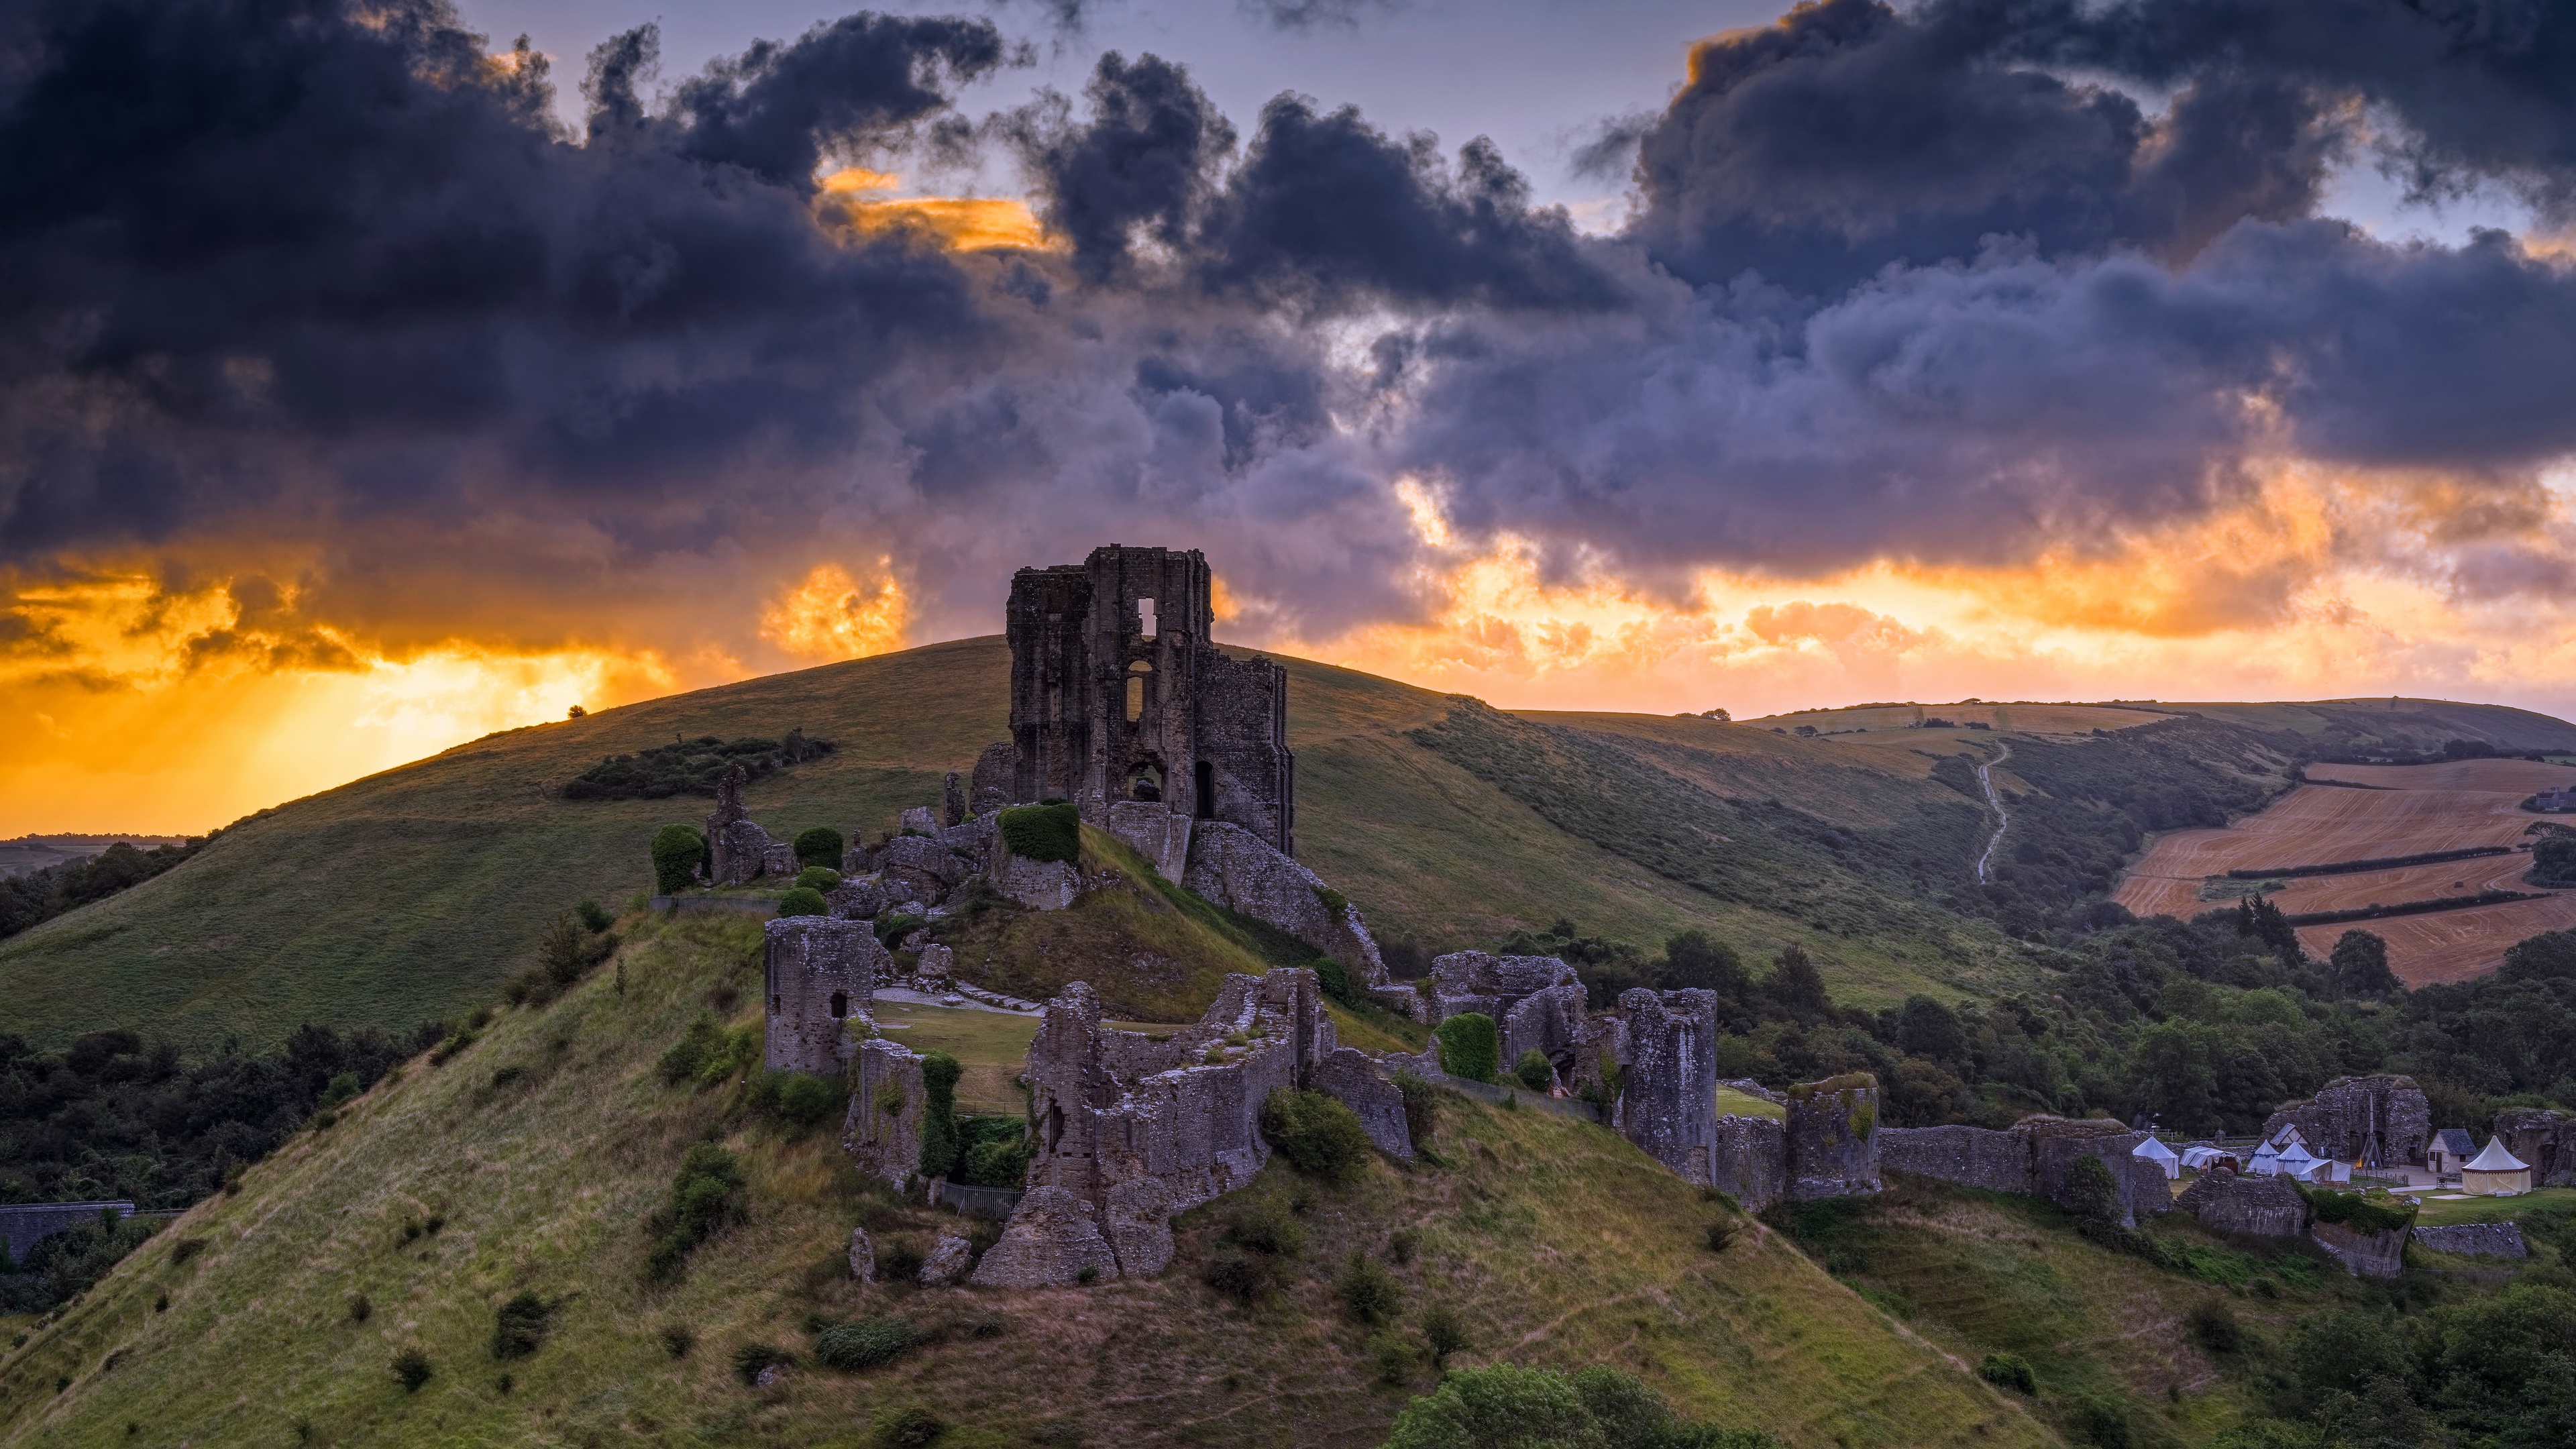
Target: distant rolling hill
<point x="416" y="892"/>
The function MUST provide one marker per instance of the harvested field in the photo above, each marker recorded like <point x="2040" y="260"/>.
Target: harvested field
<point x="2405" y="810"/>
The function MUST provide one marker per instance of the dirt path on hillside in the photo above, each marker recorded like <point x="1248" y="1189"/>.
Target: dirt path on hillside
<point x="1995" y="802"/>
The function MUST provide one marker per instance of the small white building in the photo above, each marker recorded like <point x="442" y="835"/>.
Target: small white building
<point x="2449" y="1151"/>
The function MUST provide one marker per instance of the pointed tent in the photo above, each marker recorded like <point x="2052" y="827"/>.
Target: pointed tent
<point x="2296" y="1163"/>
<point x="2264" y="1162"/>
<point x="2159" y="1154"/>
<point x="2495" y="1172"/>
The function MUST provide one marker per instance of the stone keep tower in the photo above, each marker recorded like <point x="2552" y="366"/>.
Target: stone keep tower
<point x="1118" y="694"/>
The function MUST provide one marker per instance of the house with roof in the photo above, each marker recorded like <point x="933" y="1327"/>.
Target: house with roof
<point x="2449" y="1151"/>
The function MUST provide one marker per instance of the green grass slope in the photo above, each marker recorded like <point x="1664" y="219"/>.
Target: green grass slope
<point x="416" y="892"/>
<point x="541" y="1152"/>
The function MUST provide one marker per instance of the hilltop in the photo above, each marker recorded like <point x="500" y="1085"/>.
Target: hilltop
<point x="416" y="892"/>
<point x="532" y="1160"/>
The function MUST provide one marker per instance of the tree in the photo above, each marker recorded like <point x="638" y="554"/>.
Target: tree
<point x="821" y="846"/>
<point x="1797" y="988"/>
<point x="1925" y="1028"/>
<point x="2359" y="965"/>
<point x="939" y="1144"/>
<point x="1694" y="961"/>
<point x="678" y="851"/>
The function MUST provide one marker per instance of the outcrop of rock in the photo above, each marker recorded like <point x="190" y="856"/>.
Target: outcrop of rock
<point x="2031" y="1158"/>
<point x="1833" y="1137"/>
<point x="919" y="867"/>
<point x="2254" y="1207"/>
<point x="1554" y="1024"/>
<point x="1238" y="870"/>
<point x="882" y="1128"/>
<point x="952" y="799"/>
<point x="2483" y="1240"/>
<point x="2376" y="1121"/>
<point x="947" y="1262"/>
<point x="817" y="973"/>
<point x="2544" y="1138"/>
<point x="2363" y="1254"/>
<point x="863" y="1256"/>
<point x="991" y="787"/>
<point x="1051" y="1241"/>
<point x="934" y="966"/>
<point x="1041" y="885"/>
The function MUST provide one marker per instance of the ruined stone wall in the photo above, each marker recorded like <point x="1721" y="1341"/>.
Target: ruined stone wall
<point x="882" y="1129"/>
<point x="1749" y="1161"/>
<point x="2031" y="1158"/>
<point x="1977" y="1157"/>
<point x="1669" y="1106"/>
<point x="2363" y="1255"/>
<point x="1478" y="981"/>
<point x="737" y="849"/>
<point x="2254" y="1207"/>
<point x="995" y="779"/>
<point x="2544" y="1139"/>
<point x="1832" y="1138"/>
<point x="1236" y="869"/>
<point x="1243" y="738"/>
<point x="2485" y="1240"/>
<point x="1158" y="834"/>
<point x="2377" y="1121"/>
<point x="817" y="972"/>
<point x="1552" y="1024"/>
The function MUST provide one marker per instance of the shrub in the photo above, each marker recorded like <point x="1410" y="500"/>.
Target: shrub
<point x="1332" y="979"/>
<point x="1400" y="1245"/>
<point x="1042" y="832"/>
<point x="803" y="901"/>
<point x="1444" y="1333"/>
<point x="1534" y="1071"/>
<point x="1368" y="1291"/>
<point x="411" y="1368"/>
<point x="866" y="1343"/>
<point x="1721" y="1234"/>
<point x="360" y="1310"/>
<point x="821" y="879"/>
<point x="678" y="851"/>
<point x="939" y="1145"/>
<point x="1317" y="1134"/>
<point x="899" y="1260"/>
<point x="2008" y="1371"/>
<point x="706" y="1054"/>
<point x="520" y="1327"/>
<point x="1264" y="1227"/>
<point x="1243" y="1277"/>
<point x="2214" y="1327"/>
<point x="1469" y="1046"/>
<point x="993" y="1159"/>
<point x="677" y="1340"/>
<point x="1421" y="1107"/>
<point x="806" y="1101"/>
<point x="689" y="767"/>
<point x="2092" y="1194"/>
<point x="819" y="846"/>
<point x="890" y="930"/>
<point x="706" y="1194"/>
<point x="1505" y="1405"/>
<point x="1394" y="1356"/>
<point x="594" y="916"/>
<point x="2358" y="1212"/>
<point x="907" y="1428"/>
<point x="752" y="1358"/>
<point x="2101" y="1421"/>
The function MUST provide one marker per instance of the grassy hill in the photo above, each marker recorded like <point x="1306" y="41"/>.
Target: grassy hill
<point x="415" y="893"/>
<point x="532" y="1161"/>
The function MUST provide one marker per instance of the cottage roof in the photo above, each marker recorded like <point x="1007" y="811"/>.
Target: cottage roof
<point x="2496" y="1159"/>
<point x="2288" y="1135"/>
<point x="2456" y="1141"/>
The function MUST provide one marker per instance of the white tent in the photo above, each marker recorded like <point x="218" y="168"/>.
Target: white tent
<point x="2495" y="1172"/>
<point x="2296" y="1163"/>
<point x="2264" y="1162"/>
<point x="2159" y="1154"/>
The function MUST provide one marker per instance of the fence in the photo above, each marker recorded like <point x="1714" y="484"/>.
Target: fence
<point x="980" y="1202"/>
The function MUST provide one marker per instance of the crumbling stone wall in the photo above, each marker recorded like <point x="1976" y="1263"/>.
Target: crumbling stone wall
<point x="882" y="1129"/>
<point x="2377" y="1121"/>
<point x="995" y="771"/>
<point x="737" y="850"/>
<point x="1832" y="1137"/>
<point x="1669" y="1106"/>
<point x="817" y="973"/>
<point x="1236" y="869"/>
<point x="1750" y="1160"/>
<point x="2364" y="1255"/>
<point x="2254" y="1207"/>
<point x="1465" y="981"/>
<point x="1243" y="738"/>
<point x="1552" y="1023"/>
<point x="1132" y="1130"/>
<point x="1153" y="832"/>
<point x="2544" y="1138"/>
<point x="2485" y="1240"/>
<point x="2031" y="1158"/>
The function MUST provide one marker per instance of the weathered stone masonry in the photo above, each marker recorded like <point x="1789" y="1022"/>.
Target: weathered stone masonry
<point x="2030" y="1158"/>
<point x="816" y="974"/>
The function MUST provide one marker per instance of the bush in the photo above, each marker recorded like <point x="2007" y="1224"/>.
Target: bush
<point x="411" y="1368"/>
<point x="678" y="851"/>
<point x="520" y="1327"/>
<point x="1394" y="1356"/>
<point x="2008" y="1371"/>
<point x="940" y="1148"/>
<point x="892" y="929"/>
<point x="1332" y="979"/>
<point x="360" y="1310"/>
<point x="865" y="1344"/>
<point x="1444" y="1333"/>
<point x="907" y="1428"/>
<point x="2092" y="1194"/>
<point x="1265" y="1227"/>
<point x="677" y="1340"/>
<point x="750" y="1359"/>
<point x="1369" y="1293"/>
<point x="1042" y="832"/>
<point x="2102" y="1421"/>
<point x="807" y="1101"/>
<point x="1421" y="1107"/>
<point x="899" y="1260"/>
<point x="689" y="767"/>
<point x="1317" y="1134"/>
<point x="706" y="1054"/>
<point x="1721" y="1235"/>
<point x="1257" y="1244"/>
<point x="819" y="846"/>
<point x="706" y="1194"/>
<point x="803" y="901"/>
<point x="594" y="916"/>
<point x="2214" y="1327"/>
<point x="1469" y="1046"/>
<point x="1533" y="1071"/>
<point x="997" y="1152"/>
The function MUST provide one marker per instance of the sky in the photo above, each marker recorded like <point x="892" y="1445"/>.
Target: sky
<point x="369" y="382"/>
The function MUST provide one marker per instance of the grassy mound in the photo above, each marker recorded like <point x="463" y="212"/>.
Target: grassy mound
<point x="534" y="1169"/>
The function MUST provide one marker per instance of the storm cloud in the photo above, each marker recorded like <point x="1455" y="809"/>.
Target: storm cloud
<point x="1963" y="283"/>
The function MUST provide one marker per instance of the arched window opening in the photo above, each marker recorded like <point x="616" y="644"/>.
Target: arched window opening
<point x="1145" y="783"/>
<point x="1137" y="675"/>
<point x="840" y="1004"/>
<point x="1204" y="805"/>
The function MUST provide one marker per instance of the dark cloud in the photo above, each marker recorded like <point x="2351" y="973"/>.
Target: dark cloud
<point x="1147" y="160"/>
<point x="1315" y="14"/>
